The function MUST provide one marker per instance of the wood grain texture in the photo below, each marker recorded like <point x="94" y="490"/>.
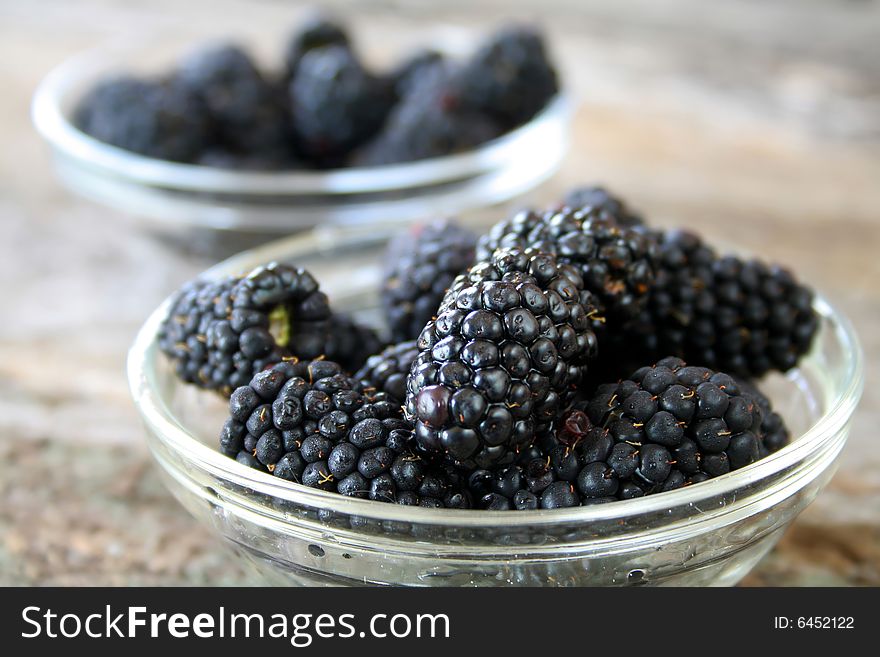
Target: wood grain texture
<point x="756" y="122"/>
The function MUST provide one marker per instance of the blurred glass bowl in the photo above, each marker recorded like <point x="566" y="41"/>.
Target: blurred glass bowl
<point x="712" y="533"/>
<point x="186" y="196"/>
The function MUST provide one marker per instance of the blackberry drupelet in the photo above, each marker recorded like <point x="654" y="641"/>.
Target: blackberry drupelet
<point x="335" y="104"/>
<point x="510" y="344"/>
<point x="431" y="120"/>
<point x="160" y="119"/>
<point x="667" y="426"/>
<point x="386" y="372"/>
<point x="316" y="31"/>
<point x="422" y="263"/>
<point x="247" y="111"/>
<point x="511" y="77"/>
<point x="742" y="317"/>
<point x="219" y="334"/>
<point x="615" y="262"/>
<point x="306" y="422"/>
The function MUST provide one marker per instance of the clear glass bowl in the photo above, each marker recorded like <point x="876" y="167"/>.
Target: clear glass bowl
<point x="712" y="533"/>
<point x="183" y="197"/>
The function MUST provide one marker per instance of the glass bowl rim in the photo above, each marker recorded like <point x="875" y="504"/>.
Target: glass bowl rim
<point x="159" y="419"/>
<point x="52" y="123"/>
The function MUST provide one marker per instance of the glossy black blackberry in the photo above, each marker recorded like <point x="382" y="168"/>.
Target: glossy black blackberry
<point x="335" y="104"/>
<point x="510" y="77"/>
<point x="246" y="110"/>
<point x="407" y="73"/>
<point x="570" y="468"/>
<point x="615" y="262"/>
<point x="306" y="422"/>
<point x="742" y="317"/>
<point x="592" y="196"/>
<point x="510" y="343"/>
<point x="316" y="31"/>
<point x="159" y="119"/>
<point x="422" y="263"/>
<point x="429" y="121"/>
<point x="667" y="426"/>
<point x="387" y="371"/>
<point x="519" y="486"/>
<point x="219" y="334"/>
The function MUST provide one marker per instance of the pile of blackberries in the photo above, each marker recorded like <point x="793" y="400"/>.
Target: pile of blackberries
<point x="568" y="357"/>
<point x="324" y="109"/>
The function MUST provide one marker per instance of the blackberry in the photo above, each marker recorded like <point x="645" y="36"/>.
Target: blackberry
<point x="615" y="262"/>
<point x="431" y="120"/>
<point x="246" y="110"/>
<point x="335" y="104"/>
<point x="511" y="77"/>
<point x="518" y="486"/>
<point x="219" y="334"/>
<point x="160" y="119"/>
<point x="509" y="345"/>
<point x="423" y="262"/>
<point x="599" y="197"/>
<point x="740" y="316"/>
<point x="348" y="342"/>
<point x="305" y="421"/>
<point x="387" y="371"/>
<point x="316" y="31"/>
<point x="572" y="460"/>
<point x="667" y="426"/>
<point x="407" y="73"/>
<point x="776" y="433"/>
<point x="306" y="408"/>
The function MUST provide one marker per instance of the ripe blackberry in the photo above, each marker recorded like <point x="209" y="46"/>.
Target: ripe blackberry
<point x="306" y="422"/>
<point x="219" y="334"/>
<point x="520" y="486"/>
<point x="667" y="426"/>
<point x="739" y="316"/>
<point x="511" y="77"/>
<point x="387" y="371"/>
<point x="431" y="120"/>
<point x="599" y="197"/>
<point x="246" y="110"/>
<point x="552" y="475"/>
<point x="159" y="119"/>
<point x="316" y="31"/>
<point x="615" y="261"/>
<point x="423" y="262"/>
<point x="335" y="104"/>
<point x="510" y="343"/>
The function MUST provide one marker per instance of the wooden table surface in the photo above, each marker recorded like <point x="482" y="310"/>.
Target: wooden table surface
<point x="758" y="123"/>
